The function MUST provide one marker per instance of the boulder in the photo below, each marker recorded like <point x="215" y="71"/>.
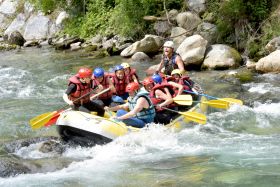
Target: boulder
<point x="273" y="45"/>
<point x="140" y="57"/>
<point x="269" y="63"/>
<point x="208" y="31"/>
<point x="197" y="6"/>
<point x="149" y="44"/>
<point x="37" y="28"/>
<point x="188" y="21"/>
<point x="162" y="28"/>
<point x="179" y="35"/>
<point x="192" y="50"/>
<point x="221" y="57"/>
<point x="9" y="168"/>
<point x="17" y="25"/>
<point x="15" y="38"/>
<point x="9" y="7"/>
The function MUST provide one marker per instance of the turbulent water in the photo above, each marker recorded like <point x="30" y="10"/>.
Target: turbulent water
<point x="237" y="147"/>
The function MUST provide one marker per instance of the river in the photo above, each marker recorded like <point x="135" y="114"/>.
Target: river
<point x="237" y="147"/>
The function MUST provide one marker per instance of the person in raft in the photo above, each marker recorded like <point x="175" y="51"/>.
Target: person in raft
<point x="120" y="82"/>
<point x="130" y="73"/>
<point x="99" y="76"/>
<point x="80" y="85"/>
<point x="170" y="60"/>
<point x="141" y="109"/>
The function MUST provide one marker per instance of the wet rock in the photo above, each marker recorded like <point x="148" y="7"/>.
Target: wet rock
<point x="221" y="57"/>
<point x="9" y="167"/>
<point x="269" y="63"/>
<point x="31" y="43"/>
<point x="65" y="42"/>
<point x="52" y="146"/>
<point x="15" y="38"/>
<point x="140" y="57"/>
<point x="11" y="147"/>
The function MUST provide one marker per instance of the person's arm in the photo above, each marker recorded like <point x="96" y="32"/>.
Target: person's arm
<point x="140" y="104"/>
<point x="167" y="99"/>
<point x="178" y="86"/>
<point x="115" y="108"/>
<point x="161" y="64"/>
<point x="180" y="64"/>
<point x="71" y="89"/>
<point x="134" y="79"/>
<point x="112" y="87"/>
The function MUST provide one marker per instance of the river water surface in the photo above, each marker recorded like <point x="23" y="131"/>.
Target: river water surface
<point x="237" y="147"/>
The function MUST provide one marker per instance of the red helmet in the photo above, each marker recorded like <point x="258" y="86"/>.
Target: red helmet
<point x="133" y="86"/>
<point x="84" y="73"/>
<point x="147" y="81"/>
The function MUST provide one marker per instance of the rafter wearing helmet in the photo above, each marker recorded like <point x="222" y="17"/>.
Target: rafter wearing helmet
<point x="140" y="106"/>
<point x="100" y="77"/>
<point x="80" y="85"/>
<point x="120" y="81"/>
<point x="130" y="73"/>
<point x="170" y="59"/>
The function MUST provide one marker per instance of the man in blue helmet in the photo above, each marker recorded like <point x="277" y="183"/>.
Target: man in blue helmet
<point x="99" y="77"/>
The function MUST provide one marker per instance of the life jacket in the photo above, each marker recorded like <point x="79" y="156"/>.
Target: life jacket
<point x="161" y="87"/>
<point x="186" y="82"/>
<point x="170" y="64"/>
<point x="81" y="90"/>
<point x="130" y="75"/>
<point x="105" y="84"/>
<point x="145" y="113"/>
<point x="119" y="84"/>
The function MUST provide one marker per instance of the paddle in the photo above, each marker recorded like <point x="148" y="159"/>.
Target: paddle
<point x="183" y="100"/>
<point x="216" y="103"/>
<point x="228" y="100"/>
<point x="49" y="118"/>
<point x="192" y="116"/>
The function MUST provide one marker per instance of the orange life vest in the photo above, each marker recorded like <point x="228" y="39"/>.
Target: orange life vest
<point x="81" y="89"/>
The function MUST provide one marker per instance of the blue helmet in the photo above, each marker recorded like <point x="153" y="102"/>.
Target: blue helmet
<point x="118" y="67"/>
<point x="98" y="72"/>
<point x="157" y="78"/>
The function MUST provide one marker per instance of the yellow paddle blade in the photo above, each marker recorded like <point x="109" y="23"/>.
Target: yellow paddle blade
<point x="217" y="104"/>
<point x="232" y="101"/>
<point x="183" y="100"/>
<point x="41" y="120"/>
<point x="194" y="116"/>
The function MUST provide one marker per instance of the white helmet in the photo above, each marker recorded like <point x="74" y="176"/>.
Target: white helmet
<point x="169" y="44"/>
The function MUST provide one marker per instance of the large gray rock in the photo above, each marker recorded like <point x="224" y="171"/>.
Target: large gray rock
<point x="9" y="7"/>
<point x="208" y="31"/>
<point x="188" y="21"/>
<point x="192" y="50"/>
<point x="179" y="35"/>
<point x="37" y="28"/>
<point x="140" y="57"/>
<point x="149" y="44"/>
<point x="273" y="44"/>
<point x="197" y="6"/>
<point x="4" y="22"/>
<point x="221" y="57"/>
<point x="162" y="28"/>
<point x="16" y="25"/>
<point x="28" y="9"/>
<point x="60" y="18"/>
<point x="270" y="63"/>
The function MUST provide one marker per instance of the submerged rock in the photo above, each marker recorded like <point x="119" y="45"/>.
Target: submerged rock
<point x="10" y="168"/>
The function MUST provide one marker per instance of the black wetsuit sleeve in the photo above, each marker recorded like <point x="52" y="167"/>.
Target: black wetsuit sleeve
<point x="71" y="89"/>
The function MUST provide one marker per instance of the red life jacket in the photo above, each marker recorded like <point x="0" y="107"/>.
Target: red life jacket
<point x="81" y="89"/>
<point x="161" y="87"/>
<point x="130" y="75"/>
<point x="105" y="84"/>
<point x="186" y="82"/>
<point x="119" y="85"/>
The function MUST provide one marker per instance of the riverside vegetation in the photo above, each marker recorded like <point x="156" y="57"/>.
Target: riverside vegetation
<point x="245" y="25"/>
